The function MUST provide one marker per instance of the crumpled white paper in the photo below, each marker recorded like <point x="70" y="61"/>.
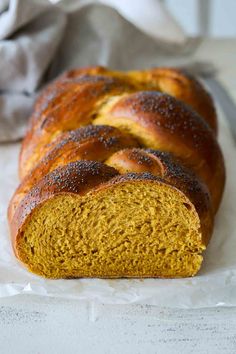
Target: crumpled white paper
<point x="215" y="285"/>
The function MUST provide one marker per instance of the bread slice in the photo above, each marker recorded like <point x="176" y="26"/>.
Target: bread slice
<point x="85" y="220"/>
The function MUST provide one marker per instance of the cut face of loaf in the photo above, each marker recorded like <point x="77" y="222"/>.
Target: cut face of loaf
<point x="86" y="220"/>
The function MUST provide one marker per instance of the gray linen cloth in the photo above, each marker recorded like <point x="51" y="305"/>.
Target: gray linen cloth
<point x="39" y="40"/>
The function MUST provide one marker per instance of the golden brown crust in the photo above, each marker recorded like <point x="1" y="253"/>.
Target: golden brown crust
<point x="161" y="122"/>
<point x="89" y="143"/>
<point x="173" y="81"/>
<point x="67" y="108"/>
<point x="184" y="87"/>
<point x="137" y="160"/>
<point x="74" y="99"/>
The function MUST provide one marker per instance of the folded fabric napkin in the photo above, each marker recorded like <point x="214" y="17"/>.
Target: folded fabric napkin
<point x="39" y="40"/>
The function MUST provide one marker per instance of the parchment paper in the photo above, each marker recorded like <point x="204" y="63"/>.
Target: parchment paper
<point x="215" y="285"/>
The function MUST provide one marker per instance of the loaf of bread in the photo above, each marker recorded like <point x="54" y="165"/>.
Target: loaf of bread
<point x="121" y="176"/>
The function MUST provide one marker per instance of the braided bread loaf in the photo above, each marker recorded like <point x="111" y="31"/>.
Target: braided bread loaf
<point x="121" y="176"/>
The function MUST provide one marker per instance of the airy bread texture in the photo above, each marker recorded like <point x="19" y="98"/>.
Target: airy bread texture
<point x="125" y="226"/>
<point x="121" y="176"/>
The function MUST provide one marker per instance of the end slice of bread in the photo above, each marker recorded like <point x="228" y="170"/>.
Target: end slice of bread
<point x="77" y="224"/>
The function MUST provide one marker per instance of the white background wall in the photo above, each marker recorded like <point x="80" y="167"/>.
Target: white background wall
<point x="212" y="17"/>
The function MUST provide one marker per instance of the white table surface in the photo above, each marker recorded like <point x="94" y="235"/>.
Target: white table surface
<point x="33" y="324"/>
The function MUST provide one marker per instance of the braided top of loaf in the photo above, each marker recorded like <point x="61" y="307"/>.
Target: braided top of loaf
<point x="154" y="119"/>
